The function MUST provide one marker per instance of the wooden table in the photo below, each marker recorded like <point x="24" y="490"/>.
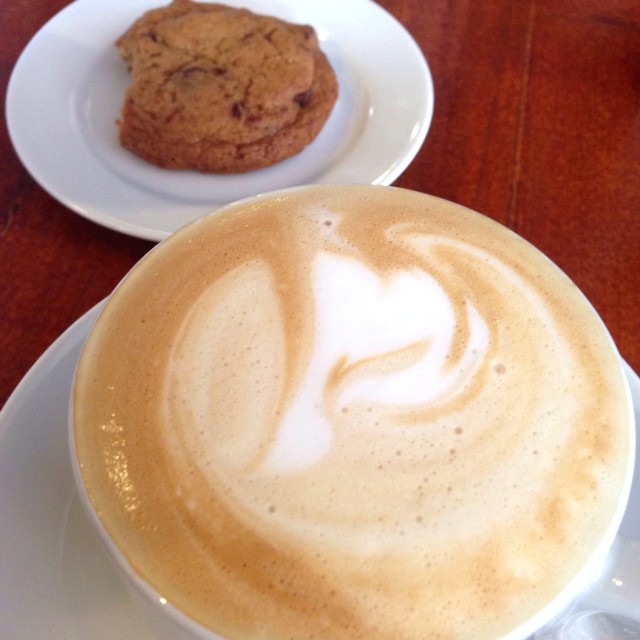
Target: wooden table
<point x="537" y="124"/>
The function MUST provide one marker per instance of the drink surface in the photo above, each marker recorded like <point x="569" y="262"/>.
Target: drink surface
<point x="352" y="412"/>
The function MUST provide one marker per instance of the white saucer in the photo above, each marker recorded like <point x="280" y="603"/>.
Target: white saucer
<point x="55" y="580"/>
<point x="66" y="89"/>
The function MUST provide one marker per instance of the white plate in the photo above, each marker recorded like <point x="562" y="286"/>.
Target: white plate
<point x="55" y="580"/>
<point x="66" y="89"/>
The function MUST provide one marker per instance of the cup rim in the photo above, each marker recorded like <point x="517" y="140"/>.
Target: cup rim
<point x="162" y="606"/>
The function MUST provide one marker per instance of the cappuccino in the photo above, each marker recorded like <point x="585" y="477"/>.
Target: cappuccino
<point x="353" y="412"/>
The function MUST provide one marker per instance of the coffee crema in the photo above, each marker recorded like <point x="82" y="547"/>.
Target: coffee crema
<point x="352" y="412"/>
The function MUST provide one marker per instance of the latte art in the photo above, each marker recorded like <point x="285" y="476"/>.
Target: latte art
<point x="353" y="413"/>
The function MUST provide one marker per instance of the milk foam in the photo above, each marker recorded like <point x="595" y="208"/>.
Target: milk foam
<point x="356" y="413"/>
<point x="360" y="319"/>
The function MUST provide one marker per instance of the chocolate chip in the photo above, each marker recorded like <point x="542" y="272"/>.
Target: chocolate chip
<point x="303" y="99"/>
<point x="190" y="76"/>
<point x="237" y="109"/>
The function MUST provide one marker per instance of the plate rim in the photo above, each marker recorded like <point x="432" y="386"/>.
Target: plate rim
<point x="39" y="168"/>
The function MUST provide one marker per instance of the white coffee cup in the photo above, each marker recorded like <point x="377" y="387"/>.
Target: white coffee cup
<point x="351" y="411"/>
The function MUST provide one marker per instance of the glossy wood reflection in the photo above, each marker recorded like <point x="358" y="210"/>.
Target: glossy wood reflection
<point x="537" y="124"/>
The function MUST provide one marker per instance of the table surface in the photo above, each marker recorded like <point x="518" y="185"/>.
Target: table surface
<point x="536" y="124"/>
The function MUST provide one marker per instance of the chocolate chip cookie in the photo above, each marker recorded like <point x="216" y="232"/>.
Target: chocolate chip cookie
<point x="220" y="89"/>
